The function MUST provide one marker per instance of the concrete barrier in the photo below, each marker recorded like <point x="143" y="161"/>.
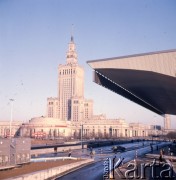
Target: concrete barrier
<point x="52" y="172"/>
<point x="51" y="150"/>
<point x="52" y="159"/>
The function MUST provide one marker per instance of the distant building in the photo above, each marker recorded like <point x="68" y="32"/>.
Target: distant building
<point x="156" y="130"/>
<point x="167" y="122"/>
<point x="70" y="103"/>
<point x="156" y="127"/>
<point x="5" y="128"/>
<point x="139" y="130"/>
<point x="43" y="127"/>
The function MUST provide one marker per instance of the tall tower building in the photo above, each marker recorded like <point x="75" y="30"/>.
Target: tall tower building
<point x="70" y="103"/>
<point x="70" y="81"/>
<point x="167" y="122"/>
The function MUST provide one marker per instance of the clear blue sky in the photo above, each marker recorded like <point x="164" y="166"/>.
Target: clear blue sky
<point x="34" y="37"/>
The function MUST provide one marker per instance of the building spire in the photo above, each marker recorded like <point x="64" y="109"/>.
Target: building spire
<point x="72" y="39"/>
<point x="71" y="53"/>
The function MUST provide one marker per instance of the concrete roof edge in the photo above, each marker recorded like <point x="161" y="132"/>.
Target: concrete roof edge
<point x="133" y="55"/>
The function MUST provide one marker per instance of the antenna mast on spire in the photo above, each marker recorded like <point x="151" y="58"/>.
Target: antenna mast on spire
<point x="72" y="33"/>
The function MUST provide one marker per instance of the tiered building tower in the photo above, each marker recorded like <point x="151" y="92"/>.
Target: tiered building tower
<point x="70" y="103"/>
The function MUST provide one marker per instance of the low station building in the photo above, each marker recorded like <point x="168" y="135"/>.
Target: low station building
<point x="46" y="128"/>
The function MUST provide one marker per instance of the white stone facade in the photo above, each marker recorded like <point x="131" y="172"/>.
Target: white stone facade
<point x="5" y="128"/>
<point x="43" y="127"/>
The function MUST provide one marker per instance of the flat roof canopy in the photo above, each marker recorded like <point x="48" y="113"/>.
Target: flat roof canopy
<point x="147" y="79"/>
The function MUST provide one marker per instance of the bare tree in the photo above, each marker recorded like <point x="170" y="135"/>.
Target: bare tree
<point x="171" y="135"/>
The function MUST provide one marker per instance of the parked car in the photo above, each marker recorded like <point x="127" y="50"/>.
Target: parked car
<point x="118" y="149"/>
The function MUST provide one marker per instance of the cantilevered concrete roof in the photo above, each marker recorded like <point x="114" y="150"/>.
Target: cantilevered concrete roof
<point x="148" y="79"/>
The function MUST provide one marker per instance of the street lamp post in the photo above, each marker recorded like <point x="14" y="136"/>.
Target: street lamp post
<point x="11" y="116"/>
<point x="81" y="130"/>
<point x="81" y="134"/>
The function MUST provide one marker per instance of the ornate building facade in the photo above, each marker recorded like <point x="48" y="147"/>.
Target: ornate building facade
<point x="70" y="104"/>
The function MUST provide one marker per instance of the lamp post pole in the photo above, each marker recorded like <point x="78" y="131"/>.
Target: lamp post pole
<point x="82" y="135"/>
<point x="11" y="116"/>
<point x="82" y="130"/>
